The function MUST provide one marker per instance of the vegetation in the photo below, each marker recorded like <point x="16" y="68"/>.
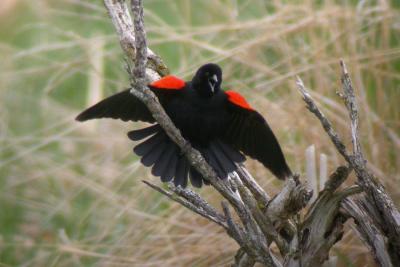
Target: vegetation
<point x="71" y="194"/>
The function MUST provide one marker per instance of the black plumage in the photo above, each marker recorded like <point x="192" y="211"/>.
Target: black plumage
<point x="220" y="124"/>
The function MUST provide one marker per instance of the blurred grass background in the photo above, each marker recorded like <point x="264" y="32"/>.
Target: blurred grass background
<point x="70" y="194"/>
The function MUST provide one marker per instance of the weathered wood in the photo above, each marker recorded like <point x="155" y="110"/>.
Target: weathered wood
<point x="376" y="194"/>
<point x="369" y="231"/>
<point x="322" y="226"/>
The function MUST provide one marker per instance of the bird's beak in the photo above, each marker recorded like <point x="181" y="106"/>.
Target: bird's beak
<point x="214" y="78"/>
<point x="213" y="81"/>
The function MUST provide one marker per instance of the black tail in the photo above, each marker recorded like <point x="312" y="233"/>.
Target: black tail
<point x="169" y="164"/>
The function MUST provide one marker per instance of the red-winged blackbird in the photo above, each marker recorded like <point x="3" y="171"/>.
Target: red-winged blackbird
<point x="220" y="124"/>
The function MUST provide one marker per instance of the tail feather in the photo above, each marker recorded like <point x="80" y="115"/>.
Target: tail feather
<point x="158" y="151"/>
<point x="150" y="158"/>
<point x="195" y="178"/>
<point x="145" y="147"/>
<point x="140" y="134"/>
<point x="180" y="172"/>
<point x="161" y="165"/>
<point x="235" y="155"/>
<point x="185" y="181"/>
<point x="220" y="164"/>
<point x="212" y="160"/>
<point x="227" y="164"/>
<point x="169" y="171"/>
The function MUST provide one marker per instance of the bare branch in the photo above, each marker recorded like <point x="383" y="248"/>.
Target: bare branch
<point x="151" y="101"/>
<point x="119" y="13"/>
<point x="196" y="200"/>
<point x="248" y="240"/>
<point x="322" y="226"/>
<point x="192" y="203"/>
<point x="260" y="195"/>
<point x="376" y="193"/>
<point x="290" y="200"/>
<point x="242" y="259"/>
<point x="337" y="178"/>
<point x="324" y="121"/>
<point x="234" y="230"/>
<point x="140" y="44"/>
<point x="371" y="235"/>
<point x="262" y="221"/>
<point x="351" y="104"/>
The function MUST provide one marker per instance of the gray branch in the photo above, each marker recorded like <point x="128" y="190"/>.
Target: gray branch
<point x="326" y="124"/>
<point x="293" y="197"/>
<point x="351" y="104"/>
<point x="119" y="14"/>
<point x="322" y="226"/>
<point x="191" y="201"/>
<point x="380" y="201"/>
<point x="376" y="193"/>
<point x="369" y="231"/>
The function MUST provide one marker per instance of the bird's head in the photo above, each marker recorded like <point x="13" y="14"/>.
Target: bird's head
<point x="207" y="80"/>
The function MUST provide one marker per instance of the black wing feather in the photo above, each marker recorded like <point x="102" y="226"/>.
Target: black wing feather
<point x="145" y="147"/>
<point x="235" y="155"/>
<point x="161" y="165"/>
<point x="122" y="105"/>
<point x="250" y="133"/>
<point x="140" y="134"/>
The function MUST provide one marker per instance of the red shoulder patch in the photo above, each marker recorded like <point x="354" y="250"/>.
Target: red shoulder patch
<point x="169" y="82"/>
<point x="238" y="100"/>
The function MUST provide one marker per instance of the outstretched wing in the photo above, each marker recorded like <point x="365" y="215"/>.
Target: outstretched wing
<point x="249" y="132"/>
<point x="126" y="106"/>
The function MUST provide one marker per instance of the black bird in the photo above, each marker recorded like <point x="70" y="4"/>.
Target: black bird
<point x="220" y="124"/>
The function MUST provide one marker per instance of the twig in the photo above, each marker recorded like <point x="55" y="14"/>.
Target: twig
<point x="326" y="124"/>
<point x="260" y="195"/>
<point x="122" y="22"/>
<point x="233" y="230"/>
<point x="196" y="200"/>
<point x="248" y="240"/>
<point x="201" y="209"/>
<point x="262" y="221"/>
<point x="140" y="44"/>
<point x="351" y="104"/>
